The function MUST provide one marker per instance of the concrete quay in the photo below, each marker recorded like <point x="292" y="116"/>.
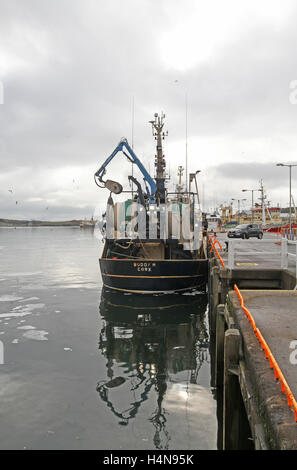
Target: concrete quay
<point x="251" y="396"/>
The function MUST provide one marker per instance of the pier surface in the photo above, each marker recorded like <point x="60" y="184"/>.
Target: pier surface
<point x="275" y="315"/>
<point x="243" y="374"/>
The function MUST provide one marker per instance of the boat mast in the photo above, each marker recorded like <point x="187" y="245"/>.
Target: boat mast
<point x="157" y="128"/>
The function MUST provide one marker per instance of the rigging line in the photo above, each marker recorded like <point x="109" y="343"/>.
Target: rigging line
<point x="186" y="406"/>
<point x="143" y="248"/>
<point x="132" y="123"/>
<point x="132" y="188"/>
<point x="126" y="256"/>
<point x="186" y="104"/>
<point x="124" y="247"/>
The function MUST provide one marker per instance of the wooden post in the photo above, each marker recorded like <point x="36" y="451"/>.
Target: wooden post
<point x="220" y="337"/>
<point x="296" y="259"/>
<point x="214" y="297"/>
<point x="216" y="285"/>
<point x="210" y="292"/>
<point x="231" y="395"/>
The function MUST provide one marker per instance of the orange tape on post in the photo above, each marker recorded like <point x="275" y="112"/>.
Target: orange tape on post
<point x="210" y="237"/>
<point x="217" y="241"/>
<point x="213" y="244"/>
<point x="247" y="312"/>
<point x="214" y="247"/>
<point x="222" y="262"/>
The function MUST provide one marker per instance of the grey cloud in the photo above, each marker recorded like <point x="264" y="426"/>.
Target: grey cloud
<point x="252" y="171"/>
<point x="70" y="101"/>
<point x="226" y="181"/>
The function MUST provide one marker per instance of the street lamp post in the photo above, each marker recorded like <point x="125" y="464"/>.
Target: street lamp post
<point x="290" y="185"/>
<point x="238" y="200"/>
<point x="252" y="191"/>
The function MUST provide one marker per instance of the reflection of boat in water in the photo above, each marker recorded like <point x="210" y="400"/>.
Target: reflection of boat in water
<point x="146" y="348"/>
<point x="162" y="308"/>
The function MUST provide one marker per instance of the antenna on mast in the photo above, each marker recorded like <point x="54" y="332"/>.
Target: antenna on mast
<point x="132" y="140"/>
<point x="159" y="134"/>
<point x="186" y="99"/>
<point x="179" y="186"/>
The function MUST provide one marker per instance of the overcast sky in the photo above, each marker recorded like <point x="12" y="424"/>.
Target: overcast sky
<point x="70" y="70"/>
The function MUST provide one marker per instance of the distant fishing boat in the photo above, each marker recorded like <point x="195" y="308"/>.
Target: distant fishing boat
<point x="213" y="222"/>
<point x="277" y="228"/>
<point x="88" y="223"/>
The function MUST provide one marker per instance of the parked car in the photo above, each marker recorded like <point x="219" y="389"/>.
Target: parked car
<point x="246" y="231"/>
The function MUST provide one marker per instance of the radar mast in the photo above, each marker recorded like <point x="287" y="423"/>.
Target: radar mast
<point x="160" y="164"/>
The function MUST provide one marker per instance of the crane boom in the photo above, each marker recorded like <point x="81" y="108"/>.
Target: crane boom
<point x="133" y="159"/>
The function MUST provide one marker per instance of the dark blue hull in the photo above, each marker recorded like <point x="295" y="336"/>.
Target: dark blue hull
<point x="154" y="276"/>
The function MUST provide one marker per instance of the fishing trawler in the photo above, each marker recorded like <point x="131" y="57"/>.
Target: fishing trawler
<point x="153" y="241"/>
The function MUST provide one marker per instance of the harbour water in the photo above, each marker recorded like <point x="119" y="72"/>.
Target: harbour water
<point x="85" y="368"/>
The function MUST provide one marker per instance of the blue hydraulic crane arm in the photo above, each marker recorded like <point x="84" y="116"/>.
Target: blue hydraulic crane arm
<point x="134" y="159"/>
